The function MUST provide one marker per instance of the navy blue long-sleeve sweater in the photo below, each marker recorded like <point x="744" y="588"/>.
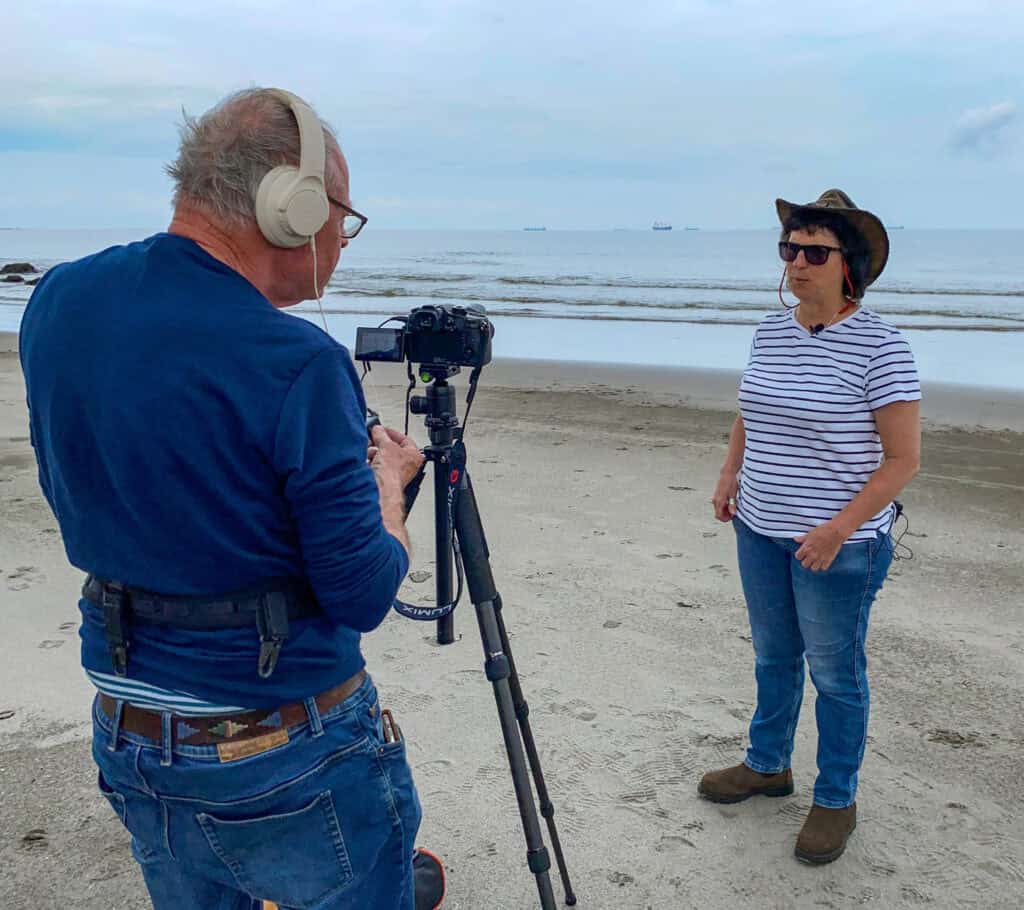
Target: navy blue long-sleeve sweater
<point x="193" y="439"/>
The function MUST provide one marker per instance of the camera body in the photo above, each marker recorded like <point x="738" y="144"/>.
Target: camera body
<point x="434" y="335"/>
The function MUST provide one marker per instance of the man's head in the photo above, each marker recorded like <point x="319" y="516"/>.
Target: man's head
<point x="222" y="160"/>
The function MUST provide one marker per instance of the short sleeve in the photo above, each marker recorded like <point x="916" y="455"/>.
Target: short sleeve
<point x="891" y="373"/>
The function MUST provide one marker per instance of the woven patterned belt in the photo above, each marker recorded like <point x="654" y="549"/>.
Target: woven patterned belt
<point x="225" y="728"/>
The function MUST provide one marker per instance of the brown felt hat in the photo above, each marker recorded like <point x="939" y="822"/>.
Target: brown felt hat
<point x="869" y="226"/>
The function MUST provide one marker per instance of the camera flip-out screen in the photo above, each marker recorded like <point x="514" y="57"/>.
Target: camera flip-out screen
<point x="379" y="344"/>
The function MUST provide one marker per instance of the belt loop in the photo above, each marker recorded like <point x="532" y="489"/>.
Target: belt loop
<point x="313" y="713"/>
<point x="115" y="725"/>
<point x="166" y="741"/>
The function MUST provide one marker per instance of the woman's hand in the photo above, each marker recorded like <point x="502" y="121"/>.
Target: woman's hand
<point x="724" y="498"/>
<point x="820" y="546"/>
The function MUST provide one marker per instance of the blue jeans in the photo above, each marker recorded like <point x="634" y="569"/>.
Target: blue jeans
<point x="327" y="820"/>
<point x="821" y="616"/>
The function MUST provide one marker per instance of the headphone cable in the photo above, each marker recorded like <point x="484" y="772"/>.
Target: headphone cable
<point x="316" y="287"/>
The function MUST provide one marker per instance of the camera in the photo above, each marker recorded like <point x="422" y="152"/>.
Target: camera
<point x="434" y="335"/>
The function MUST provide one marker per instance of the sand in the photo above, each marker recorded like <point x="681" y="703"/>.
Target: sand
<point x="629" y="629"/>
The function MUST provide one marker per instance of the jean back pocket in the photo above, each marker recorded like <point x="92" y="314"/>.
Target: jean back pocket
<point x="296" y="859"/>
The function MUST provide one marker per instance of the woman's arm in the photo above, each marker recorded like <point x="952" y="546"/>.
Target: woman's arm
<point x="899" y="427"/>
<point x="728" y="483"/>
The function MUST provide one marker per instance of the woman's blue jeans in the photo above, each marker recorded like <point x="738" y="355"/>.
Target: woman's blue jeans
<point x="821" y="616"/>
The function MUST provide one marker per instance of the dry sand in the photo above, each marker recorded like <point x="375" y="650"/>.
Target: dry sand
<point x="629" y="628"/>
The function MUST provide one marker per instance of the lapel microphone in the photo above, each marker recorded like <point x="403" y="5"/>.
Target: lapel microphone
<point x="820" y="327"/>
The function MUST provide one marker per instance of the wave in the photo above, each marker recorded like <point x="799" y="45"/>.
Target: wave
<point x="361" y="275"/>
<point x="638" y="306"/>
<point x="694" y="318"/>
<point x="686" y="284"/>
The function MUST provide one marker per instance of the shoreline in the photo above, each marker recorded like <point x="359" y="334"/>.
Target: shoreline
<point x="944" y="405"/>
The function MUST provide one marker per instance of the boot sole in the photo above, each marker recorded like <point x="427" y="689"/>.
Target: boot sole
<point x="785" y="790"/>
<point x="822" y="859"/>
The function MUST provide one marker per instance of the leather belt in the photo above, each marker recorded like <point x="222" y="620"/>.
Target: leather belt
<point x="225" y="728"/>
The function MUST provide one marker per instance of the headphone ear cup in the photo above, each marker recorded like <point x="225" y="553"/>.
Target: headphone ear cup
<point x="271" y="205"/>
<point x="307" y="208"/>
<point x="290" y="209"/>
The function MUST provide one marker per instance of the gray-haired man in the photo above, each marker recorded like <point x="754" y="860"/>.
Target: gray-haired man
<point x="195" y="441"/>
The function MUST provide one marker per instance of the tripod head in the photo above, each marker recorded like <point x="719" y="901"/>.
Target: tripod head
<point x="437" y="408"/>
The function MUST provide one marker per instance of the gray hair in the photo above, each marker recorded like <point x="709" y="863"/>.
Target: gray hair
<point x="226" y="152"/>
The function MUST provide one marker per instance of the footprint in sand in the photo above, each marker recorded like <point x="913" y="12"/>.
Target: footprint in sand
<point x="672" y="842"/>
<point x="50" y="644"/>
<point x="580" y="710"/>
<point x="954" y="738"/>
<point x="23" y="577"/>
<point x="34" y="839"/>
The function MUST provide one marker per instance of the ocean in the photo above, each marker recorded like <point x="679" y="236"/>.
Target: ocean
<point x="680" y="298"/>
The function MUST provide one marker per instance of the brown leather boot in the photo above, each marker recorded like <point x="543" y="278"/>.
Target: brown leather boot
<point x="825" y="833"/>
<point x="733" y="785"/>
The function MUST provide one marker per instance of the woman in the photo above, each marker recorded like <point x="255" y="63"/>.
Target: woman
<point x="828" y="434"/>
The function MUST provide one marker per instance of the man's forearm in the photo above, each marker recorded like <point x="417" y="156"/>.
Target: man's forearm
<point x="392" y="510"/>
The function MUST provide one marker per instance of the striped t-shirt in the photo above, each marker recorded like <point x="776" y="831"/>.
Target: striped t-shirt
<point x="155" y="698"/>
<point x="807" y="403"/>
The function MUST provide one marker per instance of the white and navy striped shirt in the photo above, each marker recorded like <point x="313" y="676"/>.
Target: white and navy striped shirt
<point x="808" y="405"/>
<point x="154" y="698"/>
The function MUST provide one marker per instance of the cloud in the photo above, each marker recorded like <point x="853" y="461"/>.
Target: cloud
<point x="983" y="129"/>
<point x="484" y="113"/>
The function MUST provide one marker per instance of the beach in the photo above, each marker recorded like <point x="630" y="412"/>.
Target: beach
<point x="629" y="630"/>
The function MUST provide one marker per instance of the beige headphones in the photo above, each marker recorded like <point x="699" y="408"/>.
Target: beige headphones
<point x="291" y="202"/>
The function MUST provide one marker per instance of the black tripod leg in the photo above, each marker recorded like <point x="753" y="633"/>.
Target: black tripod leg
<point x="443" y="549"/>
<point x="501" y="672"/>
<point x="522" y="709"/>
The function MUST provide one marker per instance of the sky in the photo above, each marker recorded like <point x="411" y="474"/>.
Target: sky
<point x="573" y="115"/>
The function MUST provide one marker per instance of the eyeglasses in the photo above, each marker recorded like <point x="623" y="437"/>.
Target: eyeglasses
<point x="814" y="253"/>
<point x="352" y="223"/>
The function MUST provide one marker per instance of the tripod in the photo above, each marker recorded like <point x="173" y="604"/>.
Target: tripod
<point x="456" y="512"/>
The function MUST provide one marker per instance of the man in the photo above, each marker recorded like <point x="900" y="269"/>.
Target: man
<point x="195" y="441"/>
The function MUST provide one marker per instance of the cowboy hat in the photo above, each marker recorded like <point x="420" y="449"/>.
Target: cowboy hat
<point x="867" y="225"/>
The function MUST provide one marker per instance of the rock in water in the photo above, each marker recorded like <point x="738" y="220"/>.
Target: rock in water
<point x="12" y="279"/>
<point x="18" y="268"/>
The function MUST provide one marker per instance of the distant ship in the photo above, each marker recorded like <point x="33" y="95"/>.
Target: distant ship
<point x="691" y="228"/>
<point x="895" y="227"/>
<point x="535" y="229"/>
<point x="661" y="226"/>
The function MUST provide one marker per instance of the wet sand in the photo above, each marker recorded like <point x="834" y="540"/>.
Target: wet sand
<point x="628" y="625"/>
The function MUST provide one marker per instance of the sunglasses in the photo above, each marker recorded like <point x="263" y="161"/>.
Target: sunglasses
<point x="352" y="222"/>
<point x="814" y="253"/>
